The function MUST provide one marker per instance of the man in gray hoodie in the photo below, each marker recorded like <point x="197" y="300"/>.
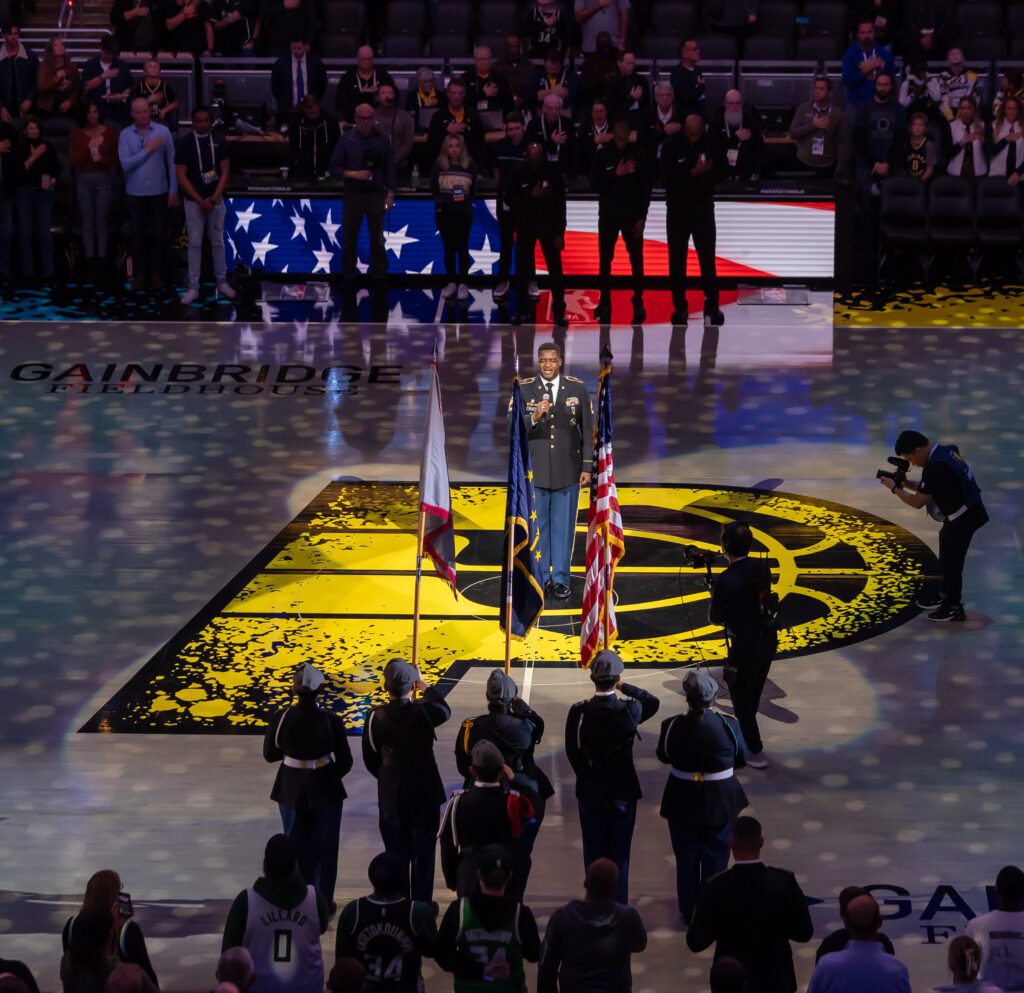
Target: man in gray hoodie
<point x="588" y="943"/>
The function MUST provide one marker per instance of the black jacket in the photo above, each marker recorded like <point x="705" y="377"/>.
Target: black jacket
<point x="838" y="940"/>
<point x="473" y="134"/>
<point x="752" y="912"/>
<point x="561" y="155"/>
<point x="538" y="213"/>
<point x="599" y="735"/>
<point x="587" y="146"/>
<point x="503" y="100"/>
<point x="678" y="158"/>
<point x="620" y="103"/>
<point x="750" y="153"/>
<point x="398" y="750"/>
<point x="350" y="92"/>
<point x="622" y="196"/>
<point x="702" y="742"/>
<point x="736" y="599"/>
<point x="307" y="732"/>
<point x="312" y="145"/>
<point x="281" y="81"/>
<point x="650" y="131"/>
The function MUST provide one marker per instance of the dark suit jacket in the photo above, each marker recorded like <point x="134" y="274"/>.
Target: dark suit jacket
<point x="752" y="912"/>
<point x="749" y="153"/>
<point x="474" y="135"/>
<point x="650" y="132"/>
<point x="348" y="96"/>
<point x="619" y="101"/>
<point x="563" y="155"/>
<point x="281" y="80"/>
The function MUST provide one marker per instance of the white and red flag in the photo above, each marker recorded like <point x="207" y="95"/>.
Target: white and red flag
<point x="435" y="491"/>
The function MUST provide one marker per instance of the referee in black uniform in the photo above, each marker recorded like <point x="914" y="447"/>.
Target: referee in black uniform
<point x="702" y="797"/>
<point x="690" y="167"/>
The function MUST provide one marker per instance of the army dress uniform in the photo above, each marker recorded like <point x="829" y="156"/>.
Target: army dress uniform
<point x="560" y="450"/>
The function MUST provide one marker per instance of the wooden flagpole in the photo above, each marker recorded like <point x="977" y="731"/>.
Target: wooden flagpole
<point x="421" y="530"/>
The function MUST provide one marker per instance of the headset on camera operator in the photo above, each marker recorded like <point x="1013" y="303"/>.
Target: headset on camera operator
<point x="743" y="603"/>
<point x="951" y="495"/>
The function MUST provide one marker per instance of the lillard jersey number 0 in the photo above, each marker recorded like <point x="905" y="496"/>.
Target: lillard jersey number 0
<point x="285" y="944"/>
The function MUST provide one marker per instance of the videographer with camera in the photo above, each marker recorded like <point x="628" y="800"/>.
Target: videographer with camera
<point x="951" y="495"/>
<point x="741" y="602"/>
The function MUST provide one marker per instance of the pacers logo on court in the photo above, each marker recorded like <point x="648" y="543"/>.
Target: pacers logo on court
<point x="336" y="588"/>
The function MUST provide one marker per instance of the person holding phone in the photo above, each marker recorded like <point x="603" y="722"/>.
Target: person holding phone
<point x="38" y="168"/>
<point x="453" y="184"/>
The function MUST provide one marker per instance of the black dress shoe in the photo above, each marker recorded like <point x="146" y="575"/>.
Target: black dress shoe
<point x="714" y="317"/>
<point x="549" y="588"/>
<point x="679" y="318"/>
<point x="562" y="592"/>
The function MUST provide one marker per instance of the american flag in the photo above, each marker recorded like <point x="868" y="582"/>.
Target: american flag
<point x="605" y="541"/>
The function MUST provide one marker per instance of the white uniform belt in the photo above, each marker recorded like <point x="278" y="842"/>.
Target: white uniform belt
<point x="309" y="763"/>
<point x="703" y="777"/>
<point x="957" y="513"/>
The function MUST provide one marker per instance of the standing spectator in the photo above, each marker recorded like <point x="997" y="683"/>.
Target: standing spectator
<point x="8" y="194"/>
<point x="556" y="135"/>
<point x="702" y="797"/>
<point x="89" y="963"/>
<point x="864" y="61"/>
<point x="486" y="89"/>
<point x="920" y="92"/>
<point x="658" y="123"/>
<point x="19" y="74"/>
<point x="955" y="82"/>
<point x="817" y="128"/>
<point x="453" y="185"/>
<point x="457" y="118"/>
<point x="285" y="21"/>
<point x="751" y="913"/>
<point x="60" y="85"/>
<point x="360" y="84"/>
<point x="363" y="158"/>
<point x="1006" y="150"/>
<point x="546" y="27"/>
<point x="134" y="25"/>
<point x="310" y="742"/>
<point x="596" y="133"/>
<point x="1000" y="933"/>
<point x="838" y="940"/>
<point x="599" y="67"/>
<point x="108" y="80"/>
<point x="863" y="964"/>
<point x="313" y="138"/>
<point x="394" y="122"/>
<point x="294" y="75"/>
<point x="236" y="28"/>
<point x="885" y="15"/>
<point x="732" y="17"/>
<point x="386" y="931"/>
<point x="508" y="156"/>
<point x="163" y="102"/>
<point x="104" y="894"/>
<point x="398" y="750"/>
<point x="964" y="960"/>
<point x="37" y="178"/>
<point x="554" y="78"/>
<point x="595" y="16"/>
<point x="484" y="939"/>
<point x="599" y="735"/>
<point x="919" y="158"/>
<point x="515" y="67"/>
<point x="965" y="137"/>
<point x="927" y="27"/>
<point x="92" y="155"/>
<point x="187" y="27"/>
<point x="737" y="128"/>
<point x="279" y="920"/>
<point x="628" y="92"/>
<point x="688" y="81"/>
<point x="589" y="943"/>
<point x="146" y="151"/>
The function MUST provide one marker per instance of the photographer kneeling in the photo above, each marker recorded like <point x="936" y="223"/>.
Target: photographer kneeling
<point x="951" y="494"/>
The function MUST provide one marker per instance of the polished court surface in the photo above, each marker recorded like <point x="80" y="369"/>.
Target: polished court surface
<point x="187" y="510"/>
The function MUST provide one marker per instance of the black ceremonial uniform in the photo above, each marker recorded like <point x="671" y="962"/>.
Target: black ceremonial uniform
<point x="690" y="210"/>
<point x="736" y="604"/>
<point x="702" y="796"/>
<point x="599" y="735"/>
<point x="398" y="750"/>
<point x="537" y="197"/>
<point x="312" y="747"/>
<point x="508" y="158"/>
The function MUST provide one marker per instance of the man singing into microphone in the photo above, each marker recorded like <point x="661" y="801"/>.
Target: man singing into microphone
<point x="559" y="424"/>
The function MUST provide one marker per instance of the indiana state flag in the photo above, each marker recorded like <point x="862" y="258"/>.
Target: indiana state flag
<point x="527" y="594"/>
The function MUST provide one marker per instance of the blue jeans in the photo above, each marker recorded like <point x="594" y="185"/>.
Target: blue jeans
<point x="701" y="852"/>
<point x="607" y="830"/>
<point x="6" y="231"/>
<point x="315" y="833"/>
<point x="413" y="838"/>
<point x="556" y="515"/>
<point x="35" y="214"/>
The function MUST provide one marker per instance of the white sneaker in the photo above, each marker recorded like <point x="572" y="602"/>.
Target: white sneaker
<point x="757" y="760"/>
<point x="463" y="291"/>
<point x="533" y="290"/>
<point x="501" y="290"/>
<point x="190" y="297"/>
<point x="448" y="292"/>
<point x="224" y="289"/>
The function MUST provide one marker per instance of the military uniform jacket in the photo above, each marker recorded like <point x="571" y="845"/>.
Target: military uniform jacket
<point x="398" y="750"/>
<point x="308" y="734"/>
<point x="515" y="734"/>
<point x="702" y="742"/>
<point x="561" y="443"/>
<point x="599" y="735"/>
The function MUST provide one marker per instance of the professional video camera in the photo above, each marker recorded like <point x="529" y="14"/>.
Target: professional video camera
<point x="899" y="476"/>
<point x="699" y="558"/>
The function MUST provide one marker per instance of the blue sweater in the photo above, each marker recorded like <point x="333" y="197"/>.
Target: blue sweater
<point x="858" y="86"/>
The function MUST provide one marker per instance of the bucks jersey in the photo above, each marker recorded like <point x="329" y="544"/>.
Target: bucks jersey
<point x="491" y="947"/>
<point x="285" y="945"/>
<point x="382" y="935"/>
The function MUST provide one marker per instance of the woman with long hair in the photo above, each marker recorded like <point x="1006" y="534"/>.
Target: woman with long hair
<point x="59" y="83"/>
<point x="92" y="154"/>
<point x="964" y="960"/>
<point x="126" y="943"/>
<point x="37" y="176"/>
<point x="1006" y="149"/>
<point x="453" y="183"/>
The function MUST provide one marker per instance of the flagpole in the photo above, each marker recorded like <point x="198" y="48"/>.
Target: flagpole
<point x="416" y="595"/>
<point x="606" y="361"/>
<point x="510" y="538"/>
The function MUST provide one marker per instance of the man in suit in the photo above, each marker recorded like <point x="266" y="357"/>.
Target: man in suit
<point x="559" y="424"/>
<point x="628" y="93"/>
<point x="294" y="75"/>
<point x="599" y="735"/>
<point x="738" y="604"/>
<point x="398" y="751"/>
<point x="659" y="122"/>
<point x="751" y="913"/>
<point x="702" y="797"/>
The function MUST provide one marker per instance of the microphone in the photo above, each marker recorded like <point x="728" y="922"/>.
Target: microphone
<point x="547" y="395"/>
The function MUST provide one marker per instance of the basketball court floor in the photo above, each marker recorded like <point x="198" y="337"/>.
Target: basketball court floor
<point x="189" y="510"/>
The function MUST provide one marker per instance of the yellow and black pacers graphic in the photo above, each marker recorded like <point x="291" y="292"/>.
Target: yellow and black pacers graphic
<point x="336" y="588"/>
